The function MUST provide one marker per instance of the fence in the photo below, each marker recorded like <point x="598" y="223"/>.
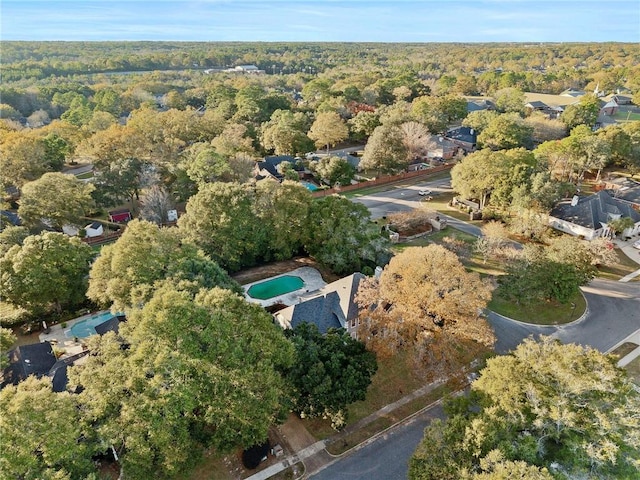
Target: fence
<point x="383" y="180"/>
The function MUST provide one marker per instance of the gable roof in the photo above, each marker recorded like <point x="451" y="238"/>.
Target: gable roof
<point x="628" y="192"/>
<point x="594" y="211"/>
<point x="462" y="134"/>
<point x="550" y="100"/>
<point x="36" y="359"/>
<point x="58" y="373"/>
<point x="537" y="105"/>
<point x="332" y="306"/>
<point x="270" y="164"/>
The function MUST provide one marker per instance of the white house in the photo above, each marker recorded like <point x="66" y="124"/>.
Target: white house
<point x="589" y="217"/>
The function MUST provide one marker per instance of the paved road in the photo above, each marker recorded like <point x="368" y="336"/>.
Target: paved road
<point x="614" y="314"/>
<point x="387" y="457"/>
<point x="400" y="199"/>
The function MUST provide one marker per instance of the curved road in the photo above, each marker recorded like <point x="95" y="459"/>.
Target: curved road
<point x="613" y="313"/>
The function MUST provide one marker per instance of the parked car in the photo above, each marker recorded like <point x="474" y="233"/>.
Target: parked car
<point x="636" y="244"/>
<point x="425" y="192"/>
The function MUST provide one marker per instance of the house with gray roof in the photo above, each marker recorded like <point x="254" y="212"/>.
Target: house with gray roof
<point x="628" y="192"/>
<point x="25" y="360"/>
<point x="589" y="217"/>
<point x="331" y="306"/>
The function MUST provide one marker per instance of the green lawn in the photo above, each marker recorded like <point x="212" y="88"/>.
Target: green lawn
<point x="549" y="313"/>
<point x="623" y="266"/>
<point x="622" y="116"/>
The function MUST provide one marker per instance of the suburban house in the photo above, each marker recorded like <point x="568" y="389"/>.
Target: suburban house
<point x="589" y="217"/>
<point x="464" y="137"/>
<point x="331" y="306"/>
<point x="479" y="104"/>
<point x="441" y="147"/>
<point x="25" y="360"/>
<point x="268" y="168"/>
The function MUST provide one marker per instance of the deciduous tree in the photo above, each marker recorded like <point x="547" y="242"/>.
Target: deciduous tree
<point x="44" y="434"/>
<point x="560" y="408"/>
<point x="329" y="372"/>
<point x="427" y="302"/>
<point x="385" y="151"/>
<point x="328" y="129"/>
<point x="187" y="374"/>
<point x="340" y="235"/>
<point x="221" y="220"/>
<point x="127" y="271"/>
<point x="334" y="170"/>
<point x="47" y="272"/>
<point x="57" y="199"/>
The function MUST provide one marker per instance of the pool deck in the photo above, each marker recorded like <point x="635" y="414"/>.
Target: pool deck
<point x="62" y="337"/>
<point x="312" y="281"/>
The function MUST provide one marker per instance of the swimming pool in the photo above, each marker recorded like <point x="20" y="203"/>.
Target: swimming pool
<point x="275" y="287"/>
<point x="87" y="327"/>
<point x="310" y="186"/>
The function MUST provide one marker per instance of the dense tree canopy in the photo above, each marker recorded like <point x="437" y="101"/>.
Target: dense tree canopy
<point x="43" y="433"/>
<point x="329" y="371"/>
<point x="56" y="199"/>
<point x="46" y="273"/>
<point x="127" y="271"/>
<point x="185" y="375"/>
<point x="566" y="409"/>
<point x="340" y="235"/>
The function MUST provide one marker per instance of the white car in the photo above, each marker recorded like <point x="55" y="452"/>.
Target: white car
<point x="425" y="192"/>
<point x="636" y="244"/>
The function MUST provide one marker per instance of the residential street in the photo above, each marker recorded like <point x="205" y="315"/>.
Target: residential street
<point x="613" y="314"/>
<point x="400" y="199"/>
<point x="387" y="456"/>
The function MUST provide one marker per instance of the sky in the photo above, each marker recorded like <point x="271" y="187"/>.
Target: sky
<point x="323" y="20"/>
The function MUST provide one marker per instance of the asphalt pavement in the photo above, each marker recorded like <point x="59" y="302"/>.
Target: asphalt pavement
<point x="386" y="457"/>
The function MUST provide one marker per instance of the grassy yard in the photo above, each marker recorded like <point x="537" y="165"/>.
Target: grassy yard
<point x="622" y="116"/>
<point x="549" y="313"/>
<point x="623" y="266"/>
<point x="392" y="381"/>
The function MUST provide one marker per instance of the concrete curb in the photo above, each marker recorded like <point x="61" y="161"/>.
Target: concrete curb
<point x="559" y="325"/>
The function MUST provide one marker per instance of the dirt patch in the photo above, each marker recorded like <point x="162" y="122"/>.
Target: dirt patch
<point x="624" y="349"/>
<point x="268" y="270"/>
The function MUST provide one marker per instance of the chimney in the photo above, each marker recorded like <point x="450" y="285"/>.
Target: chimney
<point x="574" y="200"/>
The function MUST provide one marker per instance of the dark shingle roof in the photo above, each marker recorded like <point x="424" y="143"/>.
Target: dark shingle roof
<point x="36" y="359"/>
<point x="58" y="372"/>
<point x="324" y="312"/>
<point x="111" y="325"/>
<point x="629" y="193"/>
<point x="594" y="211"/>
<point x="463" y="134"/>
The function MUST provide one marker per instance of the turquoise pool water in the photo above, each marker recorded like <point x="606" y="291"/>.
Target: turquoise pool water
<point x="86" y="328"/>
<point x="275" y="287"/>
<point x="310" y="186"/>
